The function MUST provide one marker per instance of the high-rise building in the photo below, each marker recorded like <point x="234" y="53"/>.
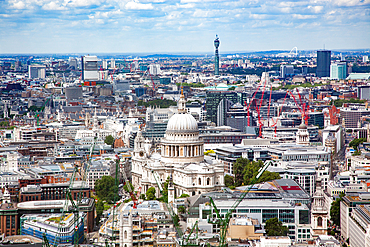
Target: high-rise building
<point x="214" y="98"/>
<point x="36" y="71"/>
<point x="338" y="71"/>
<point x="217" y="62"/>
<point x="363" y="92"/>
<point x="89" y="68"/>
<point x="73" y="62"/>
<point x="286" y="70"/>
<point x="154" y="69"/>
<point x="323" y="63"/>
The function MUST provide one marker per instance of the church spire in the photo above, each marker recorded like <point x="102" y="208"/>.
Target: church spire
<point x="182" y="102"/>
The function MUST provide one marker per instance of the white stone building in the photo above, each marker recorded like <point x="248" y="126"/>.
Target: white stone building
<point x="181" y="154"/>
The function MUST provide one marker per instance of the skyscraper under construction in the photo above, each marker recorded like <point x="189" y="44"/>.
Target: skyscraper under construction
<point x="217" y="62"/>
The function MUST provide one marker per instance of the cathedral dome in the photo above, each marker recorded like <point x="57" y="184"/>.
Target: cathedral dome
<point x="302" y="126"/>
<point x="183" y="123"/>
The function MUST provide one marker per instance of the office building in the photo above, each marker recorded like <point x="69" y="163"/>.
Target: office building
<point x="89" y="68"/>
<point x="289" y="207"/>
<point x="73" y="63"/>
<point x="222" y="109"/>
<point x="154" y="69"/>
<point x="347" y="205"/>
<point x="365" y="59"/>
<point x="316" y="119"/>
<point x="359" y="226"/>
<point x="351" y="116"/>
<point x="217" y="62"/>
<point x="57" y="229"/>
<point x="36" y="71"/>
<point x="237" y="117"/>
<point x="286" y="71"/>
<point x="323" y="63"/>
<point x="363" y="92"/>
<point x="213" y="99"/>
<point x="338" y="71"/>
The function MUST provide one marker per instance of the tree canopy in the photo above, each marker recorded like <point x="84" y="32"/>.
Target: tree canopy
<point x="184" y="195"/>
<point x="109" y="140"/>
<point x="105" y="189"/>
<point x="340" y="102"/>
<point x="274" y="227"/>
<point x="245" y="171"/>
<point x="150" y="194"/>
<point x="163" y="103"/>
<point x="99" y="210"/>
<point x="335" y="210"/>
<point x="229" y="180"/>
<point x="356" y="142"/>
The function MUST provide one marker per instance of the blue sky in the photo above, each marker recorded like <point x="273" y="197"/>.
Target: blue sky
<point x="175" y="26"/>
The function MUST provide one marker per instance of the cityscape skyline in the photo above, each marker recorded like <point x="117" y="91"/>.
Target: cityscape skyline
<point x="31" y="26"/>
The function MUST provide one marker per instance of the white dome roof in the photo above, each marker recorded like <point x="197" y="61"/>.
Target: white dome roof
<point x="182" y="123"/>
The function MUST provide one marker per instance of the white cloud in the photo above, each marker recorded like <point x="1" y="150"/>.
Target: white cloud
<point x="351" y="2"/>
<point x="315" y="9"/>
<point x="53" y="6"/>
<point x="257" y="16"/>
<point x="191" y="1"/>
<point x="17" y="5"/>
<point x="303" y="17"/>
<point x="137" y="5"/>
<point x="81" y="3"/>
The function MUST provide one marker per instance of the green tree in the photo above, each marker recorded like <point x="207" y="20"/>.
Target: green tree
<point x="232" y="88"/>
<point x="99" y="210"/>
<point x="126" y="188"/>
<point x="181" y="210"/>
<point x="229" y="180"/>
<point x="142" y="196"/>
<point x="184" y="195"/>
<point x="105" y="189"/>
<point x="164" y="197"/>
<point x="150" y="194"/>
<point x="356" y="142"/>
<point x="335" y="210"/>
<point x="274" y="227"/>
<point x="109" y="140"/>
<point x="238" y="170"/>
<point x="245" y="171"/>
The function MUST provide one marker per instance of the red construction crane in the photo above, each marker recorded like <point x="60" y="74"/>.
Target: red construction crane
<point x="268" y="109"/>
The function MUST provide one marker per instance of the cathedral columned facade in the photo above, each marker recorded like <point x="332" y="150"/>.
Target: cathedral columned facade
<point x="181" y="155"/>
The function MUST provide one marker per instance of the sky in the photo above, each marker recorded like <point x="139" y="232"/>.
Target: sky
<point x="181" y="26"/>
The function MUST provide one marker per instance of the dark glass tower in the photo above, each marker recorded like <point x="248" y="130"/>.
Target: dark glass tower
<point x="323" y="63"/>
<point x="217" y="62"/>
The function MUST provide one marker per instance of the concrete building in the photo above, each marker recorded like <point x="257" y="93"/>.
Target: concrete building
<point x="337" y="132"/>
<point x="363" y="92"/>
<point x="351" y="116"/>
<point x="359" y="226"/>
<point x="347" y="205"/>
<point x="155" y="69"/>
<point x="36" y="71"/>
<point x="286" y="71"/>
<point x="89" y="68"/>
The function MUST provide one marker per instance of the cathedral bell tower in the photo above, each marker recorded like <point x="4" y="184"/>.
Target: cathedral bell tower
<point x="319" y="212"/>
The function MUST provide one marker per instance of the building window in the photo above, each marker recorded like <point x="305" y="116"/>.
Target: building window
<point x="319" y="221"/>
